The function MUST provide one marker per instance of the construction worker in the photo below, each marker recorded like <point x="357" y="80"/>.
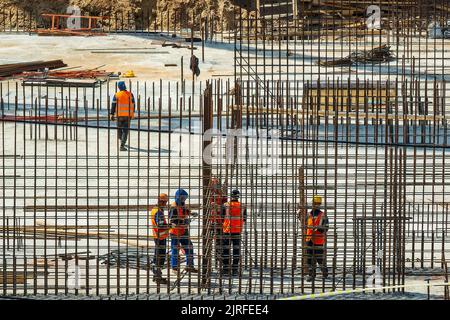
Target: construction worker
<point x="217" y="204"/>
<point x="123" y="105"/>
<point x="160" y="234"/>
<point x="233" y="224"/>
<point x="179" y="231"/>
<point x="316" y="228"/>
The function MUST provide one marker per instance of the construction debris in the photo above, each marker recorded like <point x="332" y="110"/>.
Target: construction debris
<point x="81" y="78"/>
<point x="177" y="45"/>
<point x="79" y="74"/>
<point x="131" y="258"/>
<point x="61" y="83"/>
<point x="377" y="55"/>
<point x="127" y="258"/>
<point x="17" y="277"/>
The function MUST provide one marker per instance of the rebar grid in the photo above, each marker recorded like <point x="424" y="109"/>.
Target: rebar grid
<point x="371" y="139"/>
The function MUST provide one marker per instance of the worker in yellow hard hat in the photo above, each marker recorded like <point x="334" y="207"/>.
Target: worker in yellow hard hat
<point x="160" y="234"/>
<point x="317" y="225"/>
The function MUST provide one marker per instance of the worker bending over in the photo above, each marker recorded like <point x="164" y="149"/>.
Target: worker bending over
<point x="233" y="224"/>
<point x="160" y="234"/>
<point x="317" y="226"/>
<point x="179" y="232"/>
<point x="123" y="105"/>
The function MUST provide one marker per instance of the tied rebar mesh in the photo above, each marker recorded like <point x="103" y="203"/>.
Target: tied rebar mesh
<point x="320" y="104"/>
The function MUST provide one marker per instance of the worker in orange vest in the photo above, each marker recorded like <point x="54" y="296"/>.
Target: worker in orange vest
<point x="179" y="232"/>
<point x="217" y="202"/>
<point x="160" y="234"/>
<point x="317" y="226"/>
<point x="233" y="225"/>
<point x="123" y="105"/>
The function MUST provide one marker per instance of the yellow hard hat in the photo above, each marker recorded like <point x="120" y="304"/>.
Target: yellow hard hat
<point x="163" y="197"/>
<point x="317" y="199"/>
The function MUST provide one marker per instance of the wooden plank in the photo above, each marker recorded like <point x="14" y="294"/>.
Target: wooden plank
<point x="350" y="114"/>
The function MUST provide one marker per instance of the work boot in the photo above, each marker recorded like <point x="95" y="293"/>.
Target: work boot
<point x="191" y="269"/>
<point x="311" y="275"/>
<point x="123" y="148"/>
<point x="325" y="272"/>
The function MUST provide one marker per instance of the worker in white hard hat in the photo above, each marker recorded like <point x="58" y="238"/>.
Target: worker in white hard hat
<point x="317" y="226"/>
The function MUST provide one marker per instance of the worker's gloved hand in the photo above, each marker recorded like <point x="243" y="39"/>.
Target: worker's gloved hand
<point x="112" y="117"/>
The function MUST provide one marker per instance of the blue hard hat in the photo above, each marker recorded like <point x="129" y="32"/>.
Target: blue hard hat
<point x="122" y="86"/>
<point x="180" y="196"/>
<point x="181" y="192"/>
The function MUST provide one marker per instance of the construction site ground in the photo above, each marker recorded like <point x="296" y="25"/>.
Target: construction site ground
<point x="148" y="66"/>
<point x="93" y="147"/>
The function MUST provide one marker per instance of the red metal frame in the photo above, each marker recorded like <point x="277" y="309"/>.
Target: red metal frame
<point x="56" y="17"/>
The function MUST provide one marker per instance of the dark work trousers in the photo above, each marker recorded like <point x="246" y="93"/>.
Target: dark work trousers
<point x="218" y="238"/>
<point x="160" y="257"/>
<point x="123" y="126"/>
<point x="315" y="253"/>
<point x="231" y="242"/>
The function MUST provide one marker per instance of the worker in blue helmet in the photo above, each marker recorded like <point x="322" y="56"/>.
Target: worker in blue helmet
<point x="179" y="232"/>
<point x="123" y="105"/>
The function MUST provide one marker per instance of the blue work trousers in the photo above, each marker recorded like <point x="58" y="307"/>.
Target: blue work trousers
<point x="185" y="243"/>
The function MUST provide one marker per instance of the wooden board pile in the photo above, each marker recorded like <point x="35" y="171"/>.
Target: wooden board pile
<point x="132" y="258"/>
<point x="67" y="33"/>
<point x="9" y="70"/>
<point x="78" y="74"/>
<point x="345" y="18"/>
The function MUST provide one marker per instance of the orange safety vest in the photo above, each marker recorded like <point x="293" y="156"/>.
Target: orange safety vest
<point x="158" y="232"/>
<point x="125" y="105"/>
<point x="179" y="229"/>
<point x="314" y="235"/>
<point x="216" y="202"/>
<point x="234" y="218"/>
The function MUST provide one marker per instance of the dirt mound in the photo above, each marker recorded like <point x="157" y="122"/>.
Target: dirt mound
<point x="216" y="9"/>
<point x="90" y="6"/>
<point x="156" y="9"/>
